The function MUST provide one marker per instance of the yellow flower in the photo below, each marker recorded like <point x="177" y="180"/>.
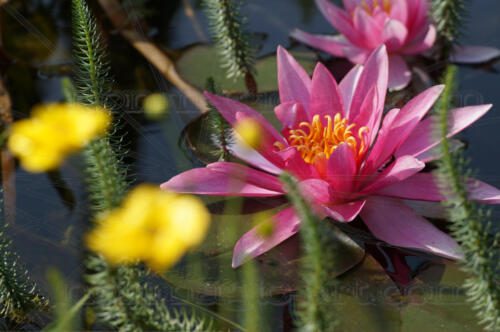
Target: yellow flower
<point x="155" y="105"/>
<point x="152" y="225"/>
<point x="53" y="132"/>
<point x="250" y="132"/>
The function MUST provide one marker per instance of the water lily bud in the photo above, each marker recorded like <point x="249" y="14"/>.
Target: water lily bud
<point x="155" y="106"/>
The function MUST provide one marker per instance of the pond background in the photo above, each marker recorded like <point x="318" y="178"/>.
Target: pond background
<point x="37" y="44"/>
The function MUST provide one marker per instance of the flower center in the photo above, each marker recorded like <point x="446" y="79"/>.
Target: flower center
<point x="315" y="141"/>
<point x="386" y="6"/>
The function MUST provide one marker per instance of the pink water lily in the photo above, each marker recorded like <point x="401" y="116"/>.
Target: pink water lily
<point x="402" y="25"/>
<point x="348" y="160"/>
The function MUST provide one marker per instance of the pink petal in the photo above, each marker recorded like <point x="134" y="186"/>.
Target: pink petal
<point x="251" y="244"/>
<point x="399" y="10"/>
<point x="418" y="17"/>
<point x="423" y="137"/>
<point x="379" y="153"/>
<point x="348" y="86"/>
<point x="423" y="186"/>
<point x="376" y="72"/>
<point x="474" y="54"/>
<point x="394" y="36"/>
<point x="349" y="5"/>
<point x="422" y="43"/>
<point x="235" y="112"/>
<point x="344" y="212"/>
<point x="225" y="179"/>
<point x="369" y="116"/>
<point x="483" y="192"/>
<point x="399" y="73"/>
<point x="397" y="131"/>
<point x="339" y="19"/>
<point x="293" y="81"/>
<point x="296" y="164"/>
<point x="371" y="32"/>
<point x="397" y="224"/>
<point x="340" y="171"/>
<point x="428" y="209"/>
<point x="291" y="114"/>
<point x="244" y="152"/>
<point x="435" y="153"/>
<point x="317" y="191"/>
<point x="401" y="169"/>
<point x="356" y="55"/>
<point x="330" y="44"/>
<point x="325" y="94"/>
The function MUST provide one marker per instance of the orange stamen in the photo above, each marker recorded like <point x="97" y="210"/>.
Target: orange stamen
<point x="370" y="9"/>
<point x="316" y="142"/>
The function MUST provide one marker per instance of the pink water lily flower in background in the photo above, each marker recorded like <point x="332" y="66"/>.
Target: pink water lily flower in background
<point x="348" y="160"/>
<point x="402" y="25"/>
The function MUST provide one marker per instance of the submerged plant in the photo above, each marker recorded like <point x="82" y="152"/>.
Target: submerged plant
<point x="221" y="130"/>
<point x="18" y="294"/>
<point x="347" y="160"/>
<point x="475" y="234"/>
<point x="227" y="28"/>
<point x="449" y="16"/>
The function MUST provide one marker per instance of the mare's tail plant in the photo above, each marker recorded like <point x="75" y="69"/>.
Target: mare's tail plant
<point x="237" y="56"/>
<point x="315" y="313"/>
<point x="469" y="224"/>
<point x="18" y="294"/>
<point x="448" y="16"/>
<point x="122" y="298"/>
<point x="221" y="129"/>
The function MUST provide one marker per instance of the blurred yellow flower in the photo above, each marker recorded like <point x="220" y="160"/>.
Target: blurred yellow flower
<point x="250" y="132"/>
<point x="155" y="105"/>
<point x="152" y="225"/>
<point x="53" y="132"/>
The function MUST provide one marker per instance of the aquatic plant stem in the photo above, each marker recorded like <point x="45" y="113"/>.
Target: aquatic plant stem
<point x="469" y="225"/>
<point x="227" y="30"/>
<point x="151" y="52"/>
<point x="314" y="314"/>
<point x="448" y="16"/>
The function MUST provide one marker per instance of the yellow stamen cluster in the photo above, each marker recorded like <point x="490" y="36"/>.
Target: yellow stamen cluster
<point x="386" y="6"/>
<point x="153" y="226"/>
<point x="320" y="141"/>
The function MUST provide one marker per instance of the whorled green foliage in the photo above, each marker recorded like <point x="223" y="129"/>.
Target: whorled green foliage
<point x="469" y="223"/>
<point x="18" y="294"/>
<point x="106" y="175"/>
<point x="122" y="298"/>
<point x="237" y="56"/>
<point x="316" y="312"/>
<point x="449" y="20"/>
<point x="140" y="308"/>
<point x="221" y="129"/>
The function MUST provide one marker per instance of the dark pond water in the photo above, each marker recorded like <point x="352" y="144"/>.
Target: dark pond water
<point x="47" y="227"/>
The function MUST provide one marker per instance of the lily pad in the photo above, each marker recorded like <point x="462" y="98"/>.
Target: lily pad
<point x="201" y="61"/>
